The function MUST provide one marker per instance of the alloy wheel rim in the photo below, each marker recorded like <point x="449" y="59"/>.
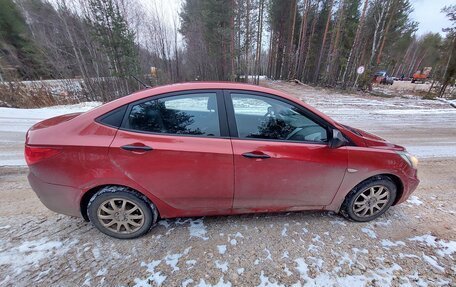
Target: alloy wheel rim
<point x="120" y="215"/>
<point x="371" y="201"/>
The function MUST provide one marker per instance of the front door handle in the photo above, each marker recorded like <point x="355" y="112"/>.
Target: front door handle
<point x="255" y="155"/>
<point x="137" y="148"/>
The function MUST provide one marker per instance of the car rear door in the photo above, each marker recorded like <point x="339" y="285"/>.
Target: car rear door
<point x="281" y="155"/>
<point x="176" y="146"/>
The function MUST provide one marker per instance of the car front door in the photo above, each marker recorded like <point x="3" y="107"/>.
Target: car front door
<point x="281" y="155"/>
<point x="177" y="147"/>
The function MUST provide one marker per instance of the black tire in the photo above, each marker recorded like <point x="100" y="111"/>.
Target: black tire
<point x="353" y="200"/>
<point x="131" y="210"/>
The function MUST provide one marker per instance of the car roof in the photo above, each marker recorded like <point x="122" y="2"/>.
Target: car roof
<point x="159" y="90"/>
<point x="205" y="86"/>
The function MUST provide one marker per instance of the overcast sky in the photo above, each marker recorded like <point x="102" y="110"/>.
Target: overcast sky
<point x="427" y="13"/>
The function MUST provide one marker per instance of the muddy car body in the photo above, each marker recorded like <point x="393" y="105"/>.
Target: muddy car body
<point x="200" y="149"/>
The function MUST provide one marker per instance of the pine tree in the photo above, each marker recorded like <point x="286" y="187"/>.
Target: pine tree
<point x="207" y="24"/>
<point x="111" y="30"/>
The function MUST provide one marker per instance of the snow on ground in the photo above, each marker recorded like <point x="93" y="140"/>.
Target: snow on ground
<point x="14" y="123"/>
<point x="171" y="256"/>
<point x="20" y="120"/>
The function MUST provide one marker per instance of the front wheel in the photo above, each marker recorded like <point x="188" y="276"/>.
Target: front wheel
<point x="121" y="212"/>
<point x="369" y="200"/>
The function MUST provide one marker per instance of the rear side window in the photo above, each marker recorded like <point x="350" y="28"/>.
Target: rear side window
<point x="114" y="117"/>
<point x="193" y="114"/>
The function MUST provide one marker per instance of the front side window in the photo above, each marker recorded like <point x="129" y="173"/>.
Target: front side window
<point x="193" y="114"/>
<point x="267" y="118"/>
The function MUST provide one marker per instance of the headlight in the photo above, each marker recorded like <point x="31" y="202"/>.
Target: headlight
<point x="410" y="159"/>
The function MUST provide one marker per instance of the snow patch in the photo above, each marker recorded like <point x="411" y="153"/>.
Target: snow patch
<point x="238" y="235"/>
<point x="442" y="247"/>
<point x="345" y="258"/>
<point x="25" y="118"/>
<point x="287" y="271"/>
<point x="316" y="262"/>
<point x="14" y="120"/>
<point x="102" y="272"/>
<point x="362" y="251"/>
<point x="220" y="283"/>
<point x="190" y="262"/>
<point x="369" y="232"/>
<point x="383" y="223"/>
<point x="266" y="282"/>
<point x="172" y="261"/>
<point x="302" y="267"/>
<point x="165" y="223"/>
<point x="284" y="232"/>
<point x="221" y="249"/>
<point x="156" y="276"/>
<point x="383" y="276"/>
<point x="312" y="248"/>
<point x="221" y="265"/>
<point x="96" y="253"/>
<point x="387" y="243"/>
<point x="268" y="254"/>
<point x="432" y="151"/>
<point x="402" y="256"/>
<point x="186" y="282"/>
<point x="338" y="222"/>
<point x="433" y="262"/>
<point x="198" y="229"/>
<point x="30" y="253"/>
<point x="414" y="200"/>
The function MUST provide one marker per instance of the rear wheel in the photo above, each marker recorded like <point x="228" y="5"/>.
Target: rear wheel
<point x="121" y="212"/>
<point x="369" y="200"/>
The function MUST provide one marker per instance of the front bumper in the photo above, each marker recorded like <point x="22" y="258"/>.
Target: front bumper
<point x="410" y="186"/>
<point x="58" y="198"/>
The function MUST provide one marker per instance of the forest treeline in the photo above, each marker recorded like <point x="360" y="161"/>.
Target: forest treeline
<point x="320" y="42"/>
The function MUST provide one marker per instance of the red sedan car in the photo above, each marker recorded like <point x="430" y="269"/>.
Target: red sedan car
<point x="210" y="149"/>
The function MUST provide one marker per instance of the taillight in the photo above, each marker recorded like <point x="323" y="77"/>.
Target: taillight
<point x="35" y="154"/>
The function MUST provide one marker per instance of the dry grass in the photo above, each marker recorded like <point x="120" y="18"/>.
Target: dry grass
<point x="17" y="94"/>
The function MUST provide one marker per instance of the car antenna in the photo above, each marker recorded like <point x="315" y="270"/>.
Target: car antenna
<point x="139" y="81"/>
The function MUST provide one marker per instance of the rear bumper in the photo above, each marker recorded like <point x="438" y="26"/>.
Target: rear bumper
<point x="58" y="198"/>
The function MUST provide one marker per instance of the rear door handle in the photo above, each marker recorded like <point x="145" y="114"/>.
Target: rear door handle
<point x="136" y="148"/>
<point x="255" y="155"/>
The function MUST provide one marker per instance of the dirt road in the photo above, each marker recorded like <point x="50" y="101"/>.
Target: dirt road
<point x="413" y="244"/>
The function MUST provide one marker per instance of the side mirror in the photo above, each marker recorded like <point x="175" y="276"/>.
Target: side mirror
<point x="337" y="140"/>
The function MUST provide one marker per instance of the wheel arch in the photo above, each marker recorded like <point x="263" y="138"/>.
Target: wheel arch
<point x="394" y="178"/>
<point x="399" y="185"/>
<point x="85" y="199"/>
<point x="84" y="202"/>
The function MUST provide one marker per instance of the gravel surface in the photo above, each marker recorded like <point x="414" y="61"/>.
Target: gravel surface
<point x="413" y="244"/>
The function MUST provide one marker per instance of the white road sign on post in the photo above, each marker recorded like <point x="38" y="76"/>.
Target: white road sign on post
<point x="360" y="70"/>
